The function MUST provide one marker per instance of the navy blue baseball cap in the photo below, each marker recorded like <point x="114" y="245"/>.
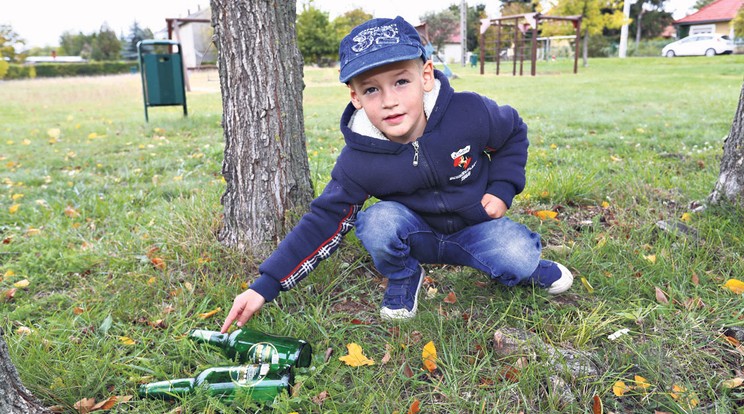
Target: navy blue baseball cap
<point x="378" y="42"/>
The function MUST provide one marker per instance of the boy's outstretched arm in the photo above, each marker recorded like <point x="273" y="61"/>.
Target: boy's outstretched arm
<point x="244" y="307"/>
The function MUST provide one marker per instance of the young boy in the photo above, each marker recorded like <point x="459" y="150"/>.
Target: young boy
<point x="444" y="165"/>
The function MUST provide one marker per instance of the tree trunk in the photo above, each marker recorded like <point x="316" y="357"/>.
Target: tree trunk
<point x="639" y="27"/>
<point x="730" y="184"/>
<point x="586" y="48"/>
<point x="14" y="397"/>
<point x="265" y="164"/>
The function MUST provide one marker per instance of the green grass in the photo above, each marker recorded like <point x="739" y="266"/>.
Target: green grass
<point x="614" y="149"/>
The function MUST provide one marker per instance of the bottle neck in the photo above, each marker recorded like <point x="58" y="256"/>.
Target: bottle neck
<point x="206" y="336"/>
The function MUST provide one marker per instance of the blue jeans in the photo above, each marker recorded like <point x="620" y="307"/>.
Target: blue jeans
<point x="399" y="240"/>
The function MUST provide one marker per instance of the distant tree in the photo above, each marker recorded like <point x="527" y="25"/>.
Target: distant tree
<point x="441" y="26"/>
<point x="315" y="35"/>
<point x="347" y="21"/>
<point x="511" y="8"/>
<point x="739" y="23"/>
<point x="9" y="40"/>
<point x="72" y="44"/>
<point x="129" y="43"/>
<point x="474" y="15"/>
<point x="649" y="19"/>
<point x="106" y="45"/>
<point x="699" y="4"/>
<point x="598" y="15"/>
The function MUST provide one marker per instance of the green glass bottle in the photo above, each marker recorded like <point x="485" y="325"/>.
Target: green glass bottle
<point x="255" y="381"/>
<point x="254" y="347"/>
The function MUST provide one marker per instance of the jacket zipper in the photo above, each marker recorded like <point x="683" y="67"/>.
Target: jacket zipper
<point x="415" y="153"/>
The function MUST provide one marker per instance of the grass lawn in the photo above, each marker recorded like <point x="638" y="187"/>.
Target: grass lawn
<point x="109" y="256"/>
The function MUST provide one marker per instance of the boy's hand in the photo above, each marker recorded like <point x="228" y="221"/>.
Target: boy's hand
<point x="494" y="206"/>
<point x="244" y="307"/>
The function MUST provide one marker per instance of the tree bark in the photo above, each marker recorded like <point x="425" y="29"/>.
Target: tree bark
<point x="265" y="163"/>
<point x="14" y="397"/>
<point x="730" y="184"/>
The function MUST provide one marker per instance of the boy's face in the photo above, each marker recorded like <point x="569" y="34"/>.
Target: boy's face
<point x="392" y="95"/>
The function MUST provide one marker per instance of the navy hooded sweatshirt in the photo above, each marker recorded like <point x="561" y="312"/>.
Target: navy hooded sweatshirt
<point x="471" y="146"/>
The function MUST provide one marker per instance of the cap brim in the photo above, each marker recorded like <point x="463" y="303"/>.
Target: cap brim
<point x="378" y="58"/>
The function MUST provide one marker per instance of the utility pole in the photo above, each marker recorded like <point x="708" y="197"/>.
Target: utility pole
<point x="464" y="31"/>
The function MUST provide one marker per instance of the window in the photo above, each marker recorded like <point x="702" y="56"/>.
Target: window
<point x="702" y="29"/>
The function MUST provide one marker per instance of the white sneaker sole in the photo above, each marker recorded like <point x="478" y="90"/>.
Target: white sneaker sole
<point x="564" y="283"/>
<point x="403" y="314"/>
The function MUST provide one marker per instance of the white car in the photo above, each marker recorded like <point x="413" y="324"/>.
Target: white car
<point x="699" y="45"/>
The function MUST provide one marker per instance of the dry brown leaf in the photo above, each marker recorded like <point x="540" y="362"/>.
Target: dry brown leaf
<point x="597" y="406"/>
<point x="158" y="262"/>
<point x="661" y="297"/>
<point x="451" y="298"/>
<point x="320" y="398"/>
<point x="415" y="407"/>
<point x="328" y="354"/>
<point x="407" y="371"/>
<point x="386" y="358"/>
<point x="71" y="212"/>
<point x="105" y="404"/>
<point x="85" y="405"/>
<point x="695" y="279"/>
<point x="9" y="294"/>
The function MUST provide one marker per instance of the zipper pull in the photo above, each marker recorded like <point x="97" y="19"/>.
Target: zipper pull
<point x="415" y="153"/>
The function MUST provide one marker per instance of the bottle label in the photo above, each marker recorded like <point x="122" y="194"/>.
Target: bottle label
<point x="263" y="353"/>
<point x="250" y="375"/>
<point x="201" y="334"/>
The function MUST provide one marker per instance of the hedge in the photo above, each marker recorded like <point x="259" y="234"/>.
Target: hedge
<point x="52" y="70"/>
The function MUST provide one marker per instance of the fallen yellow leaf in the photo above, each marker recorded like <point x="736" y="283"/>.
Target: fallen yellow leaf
<point x="429" y="355"/>
<point x="546" y="214"/>
<point x="733" y="383"/>
<point x="587" y="285"/>
<point x="651" y="258"/>
<point x="210" y="313"/>
<point x="21" y="284"/>
<point x="734" y="285"/>
<point x="127" y="340"/>
<point x="356" y="357"/>
<point x="641" y="382"/>
<point x="14" y="208"/>
<point x="619" y="388"/>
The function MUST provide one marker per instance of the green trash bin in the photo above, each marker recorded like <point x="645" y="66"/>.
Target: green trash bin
<point x="162" y="75"/>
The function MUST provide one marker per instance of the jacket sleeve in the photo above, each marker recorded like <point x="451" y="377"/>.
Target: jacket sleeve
<point x="507" y="150"/>
<point x="317" y="235"/>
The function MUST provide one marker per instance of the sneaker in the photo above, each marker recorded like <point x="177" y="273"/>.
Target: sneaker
<point x="401" y="297"/>
<point x="552" y="276"/>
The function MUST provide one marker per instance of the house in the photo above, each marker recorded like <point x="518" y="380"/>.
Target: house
<point x="716" y="17"/>
<point x="451" y="51"/>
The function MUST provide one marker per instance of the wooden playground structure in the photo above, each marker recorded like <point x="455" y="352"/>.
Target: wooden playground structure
<point x="512" y="35"/>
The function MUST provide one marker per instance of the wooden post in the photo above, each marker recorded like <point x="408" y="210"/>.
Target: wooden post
<point x="482" y="47"/>
<point x="534" y="46"/>
<point x="577" y="24"/>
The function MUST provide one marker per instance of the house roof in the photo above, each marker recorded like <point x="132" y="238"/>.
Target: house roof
<point x="717" y="11"/>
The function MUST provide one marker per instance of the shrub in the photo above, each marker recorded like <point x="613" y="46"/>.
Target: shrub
<point x="53" y="70"/>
